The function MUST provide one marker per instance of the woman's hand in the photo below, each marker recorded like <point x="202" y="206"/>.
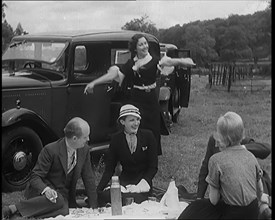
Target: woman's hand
<point x="143" y="186"/>
<point x="188" y="62"/>
<point x="89" y="88"/>
<point x="132" y="189"/>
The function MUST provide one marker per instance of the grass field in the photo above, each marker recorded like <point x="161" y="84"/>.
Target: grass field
<point x="184" y="148"/>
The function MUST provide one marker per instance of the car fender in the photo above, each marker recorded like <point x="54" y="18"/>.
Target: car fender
<point x="164" y="93"/>
<point x="29" y="118"/>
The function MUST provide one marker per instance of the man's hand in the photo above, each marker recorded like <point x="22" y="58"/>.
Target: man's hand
<point x="265" y="198"/>
<point x="51" y="195"/>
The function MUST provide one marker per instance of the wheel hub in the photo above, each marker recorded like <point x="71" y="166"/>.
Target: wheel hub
<point x="20" y="160"/>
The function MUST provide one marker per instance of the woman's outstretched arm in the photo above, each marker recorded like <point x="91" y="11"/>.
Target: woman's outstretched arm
<point x="168" y="61"/>
<point x="112" y="74"/>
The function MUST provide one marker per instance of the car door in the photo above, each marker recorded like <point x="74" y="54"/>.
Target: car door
<point x="91" y="60"/>
<point x="183" y="79"/>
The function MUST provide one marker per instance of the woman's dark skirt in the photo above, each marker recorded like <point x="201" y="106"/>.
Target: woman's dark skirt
<point x="150" y="111"/>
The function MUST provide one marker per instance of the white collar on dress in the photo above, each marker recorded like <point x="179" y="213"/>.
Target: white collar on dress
<point x="141" y="62"/>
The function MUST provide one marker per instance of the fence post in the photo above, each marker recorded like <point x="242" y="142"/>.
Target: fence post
<point x="217" y="79"/>
<point x="224" y="75"/>
<point x="233" y="73"/>
<point x="251" y="78"/>
<point x="220" y="74"/>
<point x="213" y="74"/>
<point x="210" y="76"/>
<point x="229" y="79"/>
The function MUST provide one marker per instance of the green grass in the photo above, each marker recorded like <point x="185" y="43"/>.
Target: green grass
<point x="184" y="148"/>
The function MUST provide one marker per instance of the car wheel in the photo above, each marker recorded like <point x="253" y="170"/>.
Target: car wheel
<point x="20" y="149"/>
<point x="175" y="110"/>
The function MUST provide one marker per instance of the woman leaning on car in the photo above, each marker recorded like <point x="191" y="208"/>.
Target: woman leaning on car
<point x="140" y="73"/>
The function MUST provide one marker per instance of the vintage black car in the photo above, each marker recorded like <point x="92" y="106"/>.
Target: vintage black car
<point x="175" y="84"/>
<point x="43" y="80"/>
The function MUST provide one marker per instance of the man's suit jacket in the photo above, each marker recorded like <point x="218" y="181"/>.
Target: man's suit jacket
<point x="51" y="170"/>
<point x="259" y="150"/>
<point x="143" y="163"/>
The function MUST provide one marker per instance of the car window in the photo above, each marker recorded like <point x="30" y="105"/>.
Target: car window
<point x="119" y="56"/>
<point x="58" y="65"/>
<point x="42" y="55"/>
<point x="80" y="58"/>
<point x="33" y="50"/>
<point x="162" y="54"/>
<point x="91" y="60"/>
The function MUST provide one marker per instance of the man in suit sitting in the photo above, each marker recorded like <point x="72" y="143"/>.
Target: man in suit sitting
<point x="52" y="186"/>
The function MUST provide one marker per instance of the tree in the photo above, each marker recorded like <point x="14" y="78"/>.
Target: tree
<point x="201" y="44"/>
<point x="259" y="34"/>
<point x="234" y="44"/>
<point x="19" y="30"/>
<point x="4" y="5"/>
<point x="143" y="24"/>
<point x="172" y="36"/>
<point x="7" y="34"/>
<point x="7" y="31"/>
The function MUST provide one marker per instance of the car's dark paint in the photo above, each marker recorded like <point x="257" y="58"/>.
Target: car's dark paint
<point x="175" y="89"/>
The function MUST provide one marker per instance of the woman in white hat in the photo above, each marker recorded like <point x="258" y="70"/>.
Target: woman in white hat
<point x="139" y="73"/>
<point x="135" y="149"/>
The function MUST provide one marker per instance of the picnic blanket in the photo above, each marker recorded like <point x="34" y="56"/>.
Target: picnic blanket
<point x="145" y="210"/>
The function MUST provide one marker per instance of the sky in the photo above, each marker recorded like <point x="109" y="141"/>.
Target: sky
<point x="44" y="16"/>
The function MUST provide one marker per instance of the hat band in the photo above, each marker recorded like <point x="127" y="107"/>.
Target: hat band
<point x="128" y="111"/>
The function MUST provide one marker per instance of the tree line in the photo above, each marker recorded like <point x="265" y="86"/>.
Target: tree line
<point x="238" y="37"/>
<point x="7" y="31"/>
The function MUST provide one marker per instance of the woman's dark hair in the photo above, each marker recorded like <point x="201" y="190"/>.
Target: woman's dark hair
<point x="132" y="45"/>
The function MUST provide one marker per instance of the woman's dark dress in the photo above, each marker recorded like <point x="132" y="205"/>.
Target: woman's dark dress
<point x="146" y="101"/>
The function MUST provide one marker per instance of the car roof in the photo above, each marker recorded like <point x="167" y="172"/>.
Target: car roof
<point x="86" y="35"/>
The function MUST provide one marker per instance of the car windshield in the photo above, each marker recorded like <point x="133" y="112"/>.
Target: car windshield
<point x="48" y="55"/>
<point x="40" y="51"/>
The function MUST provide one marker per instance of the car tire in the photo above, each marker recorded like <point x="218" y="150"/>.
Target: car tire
<point x="175" y="117"/>
<point x="175" y="110"/>
<point x="20" y="150"/>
